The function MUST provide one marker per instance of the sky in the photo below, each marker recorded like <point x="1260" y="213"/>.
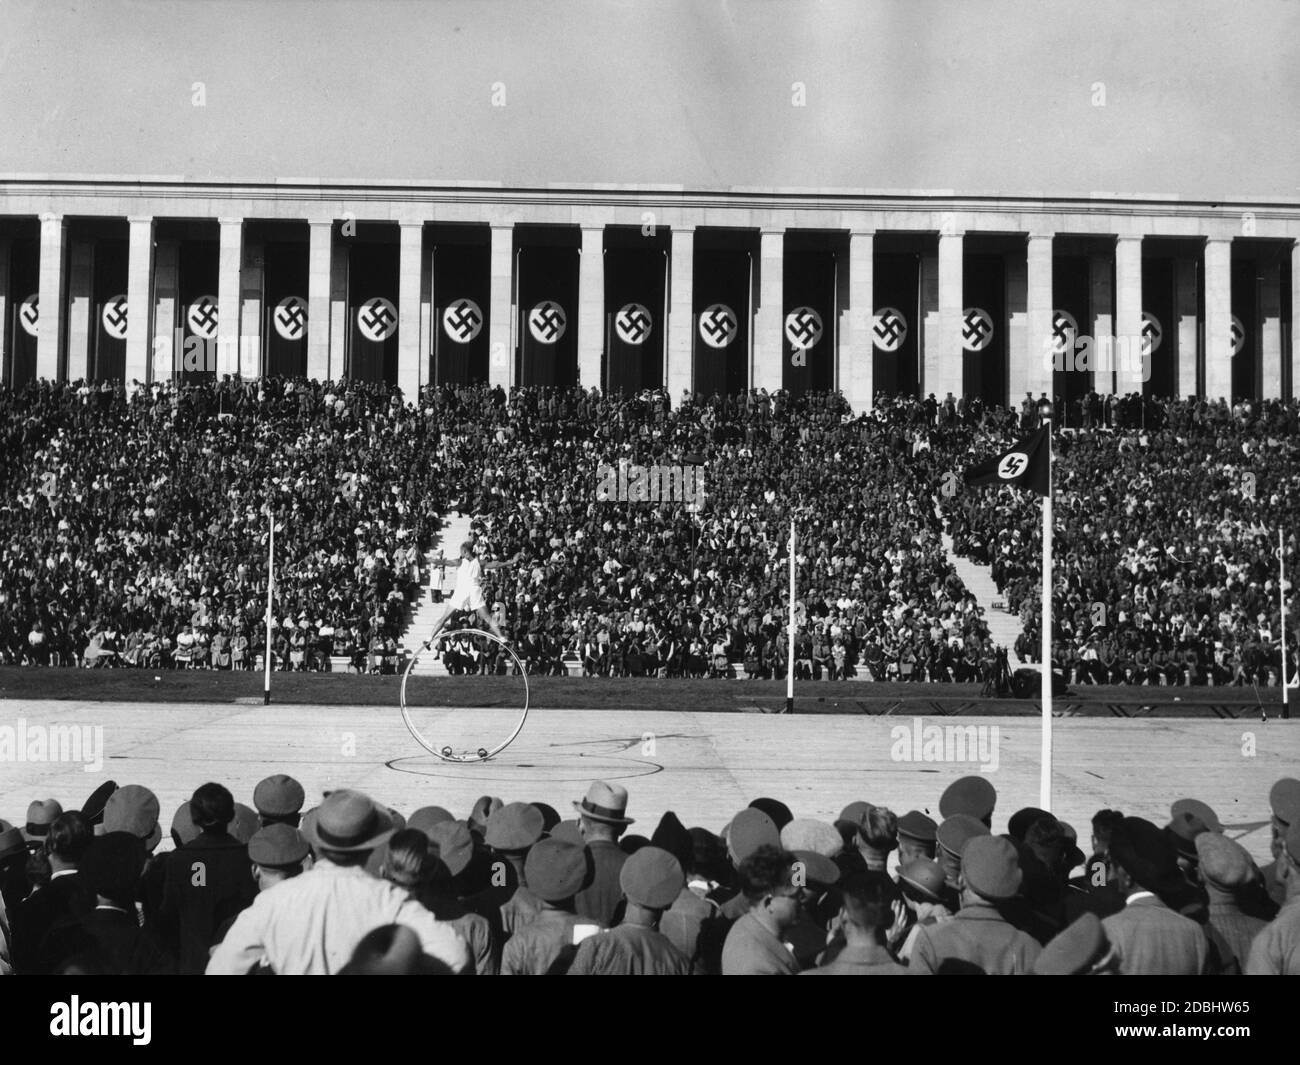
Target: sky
<point x="1181" y="98"/>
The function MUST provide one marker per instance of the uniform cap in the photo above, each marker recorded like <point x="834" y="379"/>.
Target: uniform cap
<point x="750" y="830"/>
<point x="991" y="867"/>
<point x="278" y="796"/>
<point x="806" y="834"/>
<point x="277" y="846"/>
<point x="556" y="870"/>
<point x="915" y="825"/>
<point x="973" y="796"/>
<point x="651" y="877"/>
<point x="957" y="831"/>
<point x="1075" y="950"/>
<point x="924" y="876"/>
<point x="514" y="827"/>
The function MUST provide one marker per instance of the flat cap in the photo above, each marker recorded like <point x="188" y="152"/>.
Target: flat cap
<point x="973" y="796"/>
<point x="990" y="866"/>
<point x="915" y="825"/>
<point x="183" y="829"/>
<point x="751" y="829"/>
<point x="1223" y="861"/>
<point x="427" y="816"/>
<point x="133" y="808"/>
<point x="1284" y="800"/>
<point x="455" y="844"/>
<point x="957" y="831"/>
<point x="1075" y="950"/>
<point x="570" y="832"/>
<point x="277" y="846"/>
<point x="556" y="870"/>
<point x="807" y="834"/>
<point x="514" y="827"/>
<point x="244" y="824"/>
<point x="652" y="878"/>
<point x="278" y="796"/>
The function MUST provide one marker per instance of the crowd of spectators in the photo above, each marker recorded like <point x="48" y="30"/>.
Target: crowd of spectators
<point x="1165" y="546"/>
<point x="352" y="886"/>
<point x="133" y="530"/>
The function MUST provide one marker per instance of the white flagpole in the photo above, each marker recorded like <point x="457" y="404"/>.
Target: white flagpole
<point x="270" y="586"/>
<point x="1045" y="780"/>
<point x="1281" y="605"/>
<point x="789" y="665"/>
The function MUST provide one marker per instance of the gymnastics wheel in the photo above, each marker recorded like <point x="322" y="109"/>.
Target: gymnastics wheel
<point x="447" y="753"/>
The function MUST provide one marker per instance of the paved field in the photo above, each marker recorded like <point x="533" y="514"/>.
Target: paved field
<point x="704" y="766"/>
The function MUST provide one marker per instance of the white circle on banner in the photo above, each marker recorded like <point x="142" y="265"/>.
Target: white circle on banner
<point x="1013" y="465"/>
<point x="113" y="317"/>
<point x="29" y="314"/>
<point x="889" y="329"/>
<point x="718" y="325"/>
<point x="1153" y="333"/>
<point x="977" y="329"/>
<point x="462" y="321"/>
<point x="1065" y="329"/>
<point x="633" y="323"/>
<point x="1237" y="334"/>
<point x="803" y="328"/>
<point x="377" y="319"/>
<point x="547" y="322"/>
<point x="290" y="318"/>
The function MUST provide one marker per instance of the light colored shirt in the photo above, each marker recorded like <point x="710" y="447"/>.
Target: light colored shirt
<point x="310" y="924"/>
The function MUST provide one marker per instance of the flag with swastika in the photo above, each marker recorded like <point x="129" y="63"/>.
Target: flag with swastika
<point x="1026" y="464"/>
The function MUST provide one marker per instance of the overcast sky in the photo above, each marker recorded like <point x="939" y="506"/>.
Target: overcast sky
<point x="977" y="96"/>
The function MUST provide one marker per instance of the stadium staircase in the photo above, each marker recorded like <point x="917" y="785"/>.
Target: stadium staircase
<point x="1003" y="627"/>
<point x="425" y="613"/>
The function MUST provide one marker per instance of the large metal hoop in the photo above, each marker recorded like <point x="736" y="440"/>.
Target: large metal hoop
<point x="482" y="754"/>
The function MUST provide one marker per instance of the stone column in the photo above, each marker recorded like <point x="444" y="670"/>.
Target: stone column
<point x="857" y="345"/>
<point x="1218" y="319"/>
<point x="251" y="294"/>
<point x="319" y="273"/>
<point x="49" y="337"/>
<point x="1101" y="301"/>
<point x="768" y="328"/>
<point x="338" y="314"/>
<point x="1188" y="323"/>
<point x="943" y="348"/>
<point x="1270" y="327"/>
<point x="81" y="310"/>
<point x="1039" y="308"/>
<point x="501" y="323"/>
<point x="230" y="258"/>
<point x="591" y="306"/>
<point x="681" y="326"/>
<point x="6" y="372"/>
<point x="139" y="272"/>
<point x="168" y="353"/>
<point x="408" y="311"/>
<point x="1128" y="361"/>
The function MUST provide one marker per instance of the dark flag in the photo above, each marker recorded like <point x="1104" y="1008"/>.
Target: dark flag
<point x="1026" y="464"/>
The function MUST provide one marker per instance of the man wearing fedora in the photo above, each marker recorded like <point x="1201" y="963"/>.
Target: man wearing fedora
<point x="978" y="939"/>
<point x="65" y="896"/>
<point x="312" y="923"/>
<point x="651" y="880"/>
<point x="602" y="817"/>
<point x="1150" y="937"/>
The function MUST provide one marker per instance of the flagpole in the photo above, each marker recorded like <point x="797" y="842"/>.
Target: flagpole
<point x="270" y="585"/>
<point x="1045" y="778"/>
<point x="789" y="664"/>
<point x="1281" y="604"/>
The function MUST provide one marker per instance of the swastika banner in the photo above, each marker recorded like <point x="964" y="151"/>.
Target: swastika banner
<point x="548" y="313"/>
<point x="634" y="327"/>
<point x="462" y="297"/>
